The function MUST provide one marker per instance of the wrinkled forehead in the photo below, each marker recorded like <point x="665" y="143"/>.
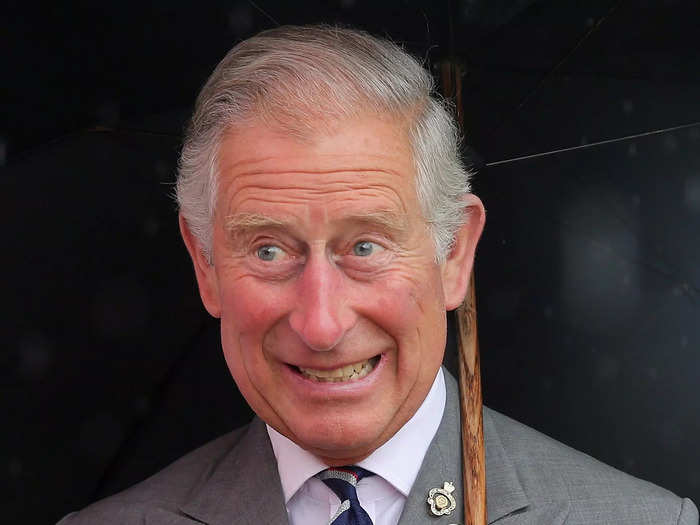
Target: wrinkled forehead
<point x="363" y="153"/>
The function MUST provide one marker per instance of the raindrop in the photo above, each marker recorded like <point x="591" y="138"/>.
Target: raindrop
<point x="469" y="8"/>
<point x="108" y="113"/>
<point x="122" y="309"/>
<point x="15" y="467"/>
<point x="632" y="150"/>
<point x="594" y="264"/>
<point x="684" y="341"/>
<point x="548" y="312"/>
<point x="503" y="304"/>
<point x="142" y="405"/>
<point x="671" y="432"/>
<point x="240" y="18"/>
<point x="692" y="193"/>
<point x="608" y="368"/>
<point x="694" y="478"/>
<point x="35" y="352"/>
<point x="670" y="144"/>
<point x="151" y="227"/>
<point x="627" y="106"/>
<point x="161" y="167"/>
<point x="100" y="437"/>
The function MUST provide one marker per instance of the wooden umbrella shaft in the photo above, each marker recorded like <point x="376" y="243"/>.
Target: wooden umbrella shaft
<point x="473" y="454"/>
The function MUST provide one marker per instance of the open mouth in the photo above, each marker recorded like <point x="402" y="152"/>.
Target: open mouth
<point x="344" y="373"/>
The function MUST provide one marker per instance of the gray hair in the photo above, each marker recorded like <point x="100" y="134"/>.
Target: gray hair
<point x="301" y="79"/>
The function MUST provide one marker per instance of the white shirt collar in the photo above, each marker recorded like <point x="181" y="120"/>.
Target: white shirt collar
<point x="397" y="461"/>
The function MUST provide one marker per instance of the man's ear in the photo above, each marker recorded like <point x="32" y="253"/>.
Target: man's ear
<point x="458" y="266"/>
<point x="203" y="270"/>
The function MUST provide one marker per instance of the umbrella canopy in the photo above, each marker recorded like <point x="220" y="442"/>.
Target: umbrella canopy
<point x="588" y="280"/>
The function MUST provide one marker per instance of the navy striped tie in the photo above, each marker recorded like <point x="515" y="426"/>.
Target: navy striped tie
<point x="343" y="481"/>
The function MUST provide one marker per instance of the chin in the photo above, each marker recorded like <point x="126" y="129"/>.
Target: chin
<point x="338" y="443"/>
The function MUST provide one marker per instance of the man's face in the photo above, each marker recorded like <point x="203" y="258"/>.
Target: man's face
<point x="332" y="306"/>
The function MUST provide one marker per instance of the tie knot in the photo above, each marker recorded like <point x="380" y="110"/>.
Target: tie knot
<point x="350" y="474"/>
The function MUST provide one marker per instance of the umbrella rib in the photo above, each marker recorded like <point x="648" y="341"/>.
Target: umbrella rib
<point x="593" y="144"/>
<point x="560" y="63"/>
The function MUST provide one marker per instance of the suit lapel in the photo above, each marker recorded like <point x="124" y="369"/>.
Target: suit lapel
<point x="443" y="462"/>
<point x="506" y="500"/>
<point x="504" y="493"/>
<point x="244" y="488"/>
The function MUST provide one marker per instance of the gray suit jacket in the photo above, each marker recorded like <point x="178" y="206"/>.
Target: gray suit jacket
<point x="530" y="478"/>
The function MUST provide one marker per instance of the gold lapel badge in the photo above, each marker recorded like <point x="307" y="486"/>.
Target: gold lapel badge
<point x="441" y="500"/>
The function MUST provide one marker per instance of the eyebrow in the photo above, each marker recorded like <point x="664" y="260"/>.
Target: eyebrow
<point x="387" y="220"/>
<point x="251" y="221"/>
<point x="240" y="224"/>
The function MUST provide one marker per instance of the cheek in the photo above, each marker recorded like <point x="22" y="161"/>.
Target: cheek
<point x="249" y="308"/>
<point x="249" y="311"/>
<point x="413" y="314"/>
<point x="410" y="299"/>
<point x="412" y="311"/>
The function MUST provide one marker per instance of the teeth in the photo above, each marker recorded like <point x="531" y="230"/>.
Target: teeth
<point x="344" y="373"/>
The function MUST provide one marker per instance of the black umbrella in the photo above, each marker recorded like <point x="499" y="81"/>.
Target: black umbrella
<point x="583" y="115"/>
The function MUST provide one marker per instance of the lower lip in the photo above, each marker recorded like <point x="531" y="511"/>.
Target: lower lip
<point x="326" y="389"/>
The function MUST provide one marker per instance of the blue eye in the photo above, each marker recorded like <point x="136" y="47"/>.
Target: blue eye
<point x="365" y="248"/>
<point x="269" y="252"/>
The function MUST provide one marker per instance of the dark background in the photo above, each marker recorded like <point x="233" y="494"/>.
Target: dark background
<point x="588" y="274"/>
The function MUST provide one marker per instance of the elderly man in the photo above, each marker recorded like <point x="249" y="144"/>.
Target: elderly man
<point x="330" y="224"/>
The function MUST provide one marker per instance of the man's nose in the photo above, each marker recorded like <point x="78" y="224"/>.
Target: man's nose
<point x="322" y="313"/>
